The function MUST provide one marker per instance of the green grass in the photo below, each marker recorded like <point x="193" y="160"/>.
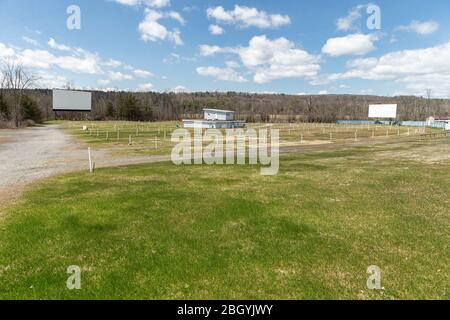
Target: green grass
<point x="154" y="138"/>
<point x="223" y="232"/>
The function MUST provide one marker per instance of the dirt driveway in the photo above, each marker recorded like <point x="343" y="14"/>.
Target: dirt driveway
<point x="34" y="153"/>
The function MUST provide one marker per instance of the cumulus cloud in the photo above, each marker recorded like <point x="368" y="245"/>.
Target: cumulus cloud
<point x="180" y="89"/>
<point x="207" y="50"/>
<point x="421" y="28"/>
<point x="146" y="87"/>
<point x="216" y="30"/>
<point x="245" y="17"/>
<point x="347" y="23"/>
<point x="353" y="44"/>
<point x="54" y="45"/>
<point x="270" y="60"/>
<point x="277" y="59"/>
<point x="46" y="65"/>
<point x="6" y="52"/>
<point x="142" y="73"/>
<point x="150" y="3"/>
<point x="119" y="76"/>
<point x="417" y="69"/>
<point x="152" y="30"/>
<point x="223" y="74"/>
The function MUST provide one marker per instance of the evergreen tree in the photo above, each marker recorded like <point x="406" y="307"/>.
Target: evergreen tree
<point x="4" y="108"/>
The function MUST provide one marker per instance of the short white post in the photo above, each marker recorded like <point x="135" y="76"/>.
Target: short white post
<point x="301" y="138"/>
<point x="107" y="135"/>
<point x="91" y="164"/>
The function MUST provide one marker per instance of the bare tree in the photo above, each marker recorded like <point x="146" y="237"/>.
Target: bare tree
<point x="16" y="79"/>
<point x="428" y="95"/>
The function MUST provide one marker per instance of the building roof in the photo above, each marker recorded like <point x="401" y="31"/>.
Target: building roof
<point x="218" y="110"/>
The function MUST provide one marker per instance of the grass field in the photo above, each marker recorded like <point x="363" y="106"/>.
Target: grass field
<point x="225" y="232"/>
<point x="155" y="138"/>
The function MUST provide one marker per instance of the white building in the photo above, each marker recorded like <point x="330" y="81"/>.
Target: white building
<point x="216" y="114"/>
<point x="441" y="122"/>
<point x="215" y="119"/>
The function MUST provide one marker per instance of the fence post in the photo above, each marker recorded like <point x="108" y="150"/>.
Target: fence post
<point x="91" y="164"/>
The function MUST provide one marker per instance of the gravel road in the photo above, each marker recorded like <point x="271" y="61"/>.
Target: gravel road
<point x="34" y="153"/>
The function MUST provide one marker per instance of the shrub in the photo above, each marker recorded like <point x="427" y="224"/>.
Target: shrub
<point x="5" y="114"/>
<point x="31" y="110"/>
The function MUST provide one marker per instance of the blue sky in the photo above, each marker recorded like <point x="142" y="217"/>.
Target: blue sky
<point x="294" y="47"/>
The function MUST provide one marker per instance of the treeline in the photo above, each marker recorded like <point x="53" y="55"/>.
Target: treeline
<point x="37" y="106"/>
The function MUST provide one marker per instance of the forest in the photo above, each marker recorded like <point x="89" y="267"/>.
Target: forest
<point x="36" y="105"/>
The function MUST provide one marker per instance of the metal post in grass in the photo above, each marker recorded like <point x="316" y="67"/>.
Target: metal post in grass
<point x="301" y="138"/>
<point x="107" y="135"/>
<point x="356" y="136"/>
<point x="387" y="133"/>
<point x="130" y="141"/>
<point x="331" y="136"/>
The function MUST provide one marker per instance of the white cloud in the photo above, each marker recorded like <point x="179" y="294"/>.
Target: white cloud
<point x="53" y="44"/>
<point x="176" y="58"/>
<point x="150" y="3"/>
<point x="180" y="89"/>
<point x="146" y="87"/>
<point x="277" y="59"/>
<point x="152" y="30"/>
<point x="417" y="69"/>
<point x="119" y="76"/>
<point x="49" y="80"/>
<point x="245" y="17"/>
<point x="232" y="64"/>
<point x="112" y="63"/>
<point x="347" y="23"/>
<point x="104" y="82"/>
<point x="30" y="41"/>
<point x="353" y="44"/>
<point x="223" y="74"/>
<point x="207" y="50"/>
<point x="216" y="30"/>
<point x="6" y="52"/>
<point x="142" y="73"/>
<point x="421" y="28"/>
<point x="270" y="60"/>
